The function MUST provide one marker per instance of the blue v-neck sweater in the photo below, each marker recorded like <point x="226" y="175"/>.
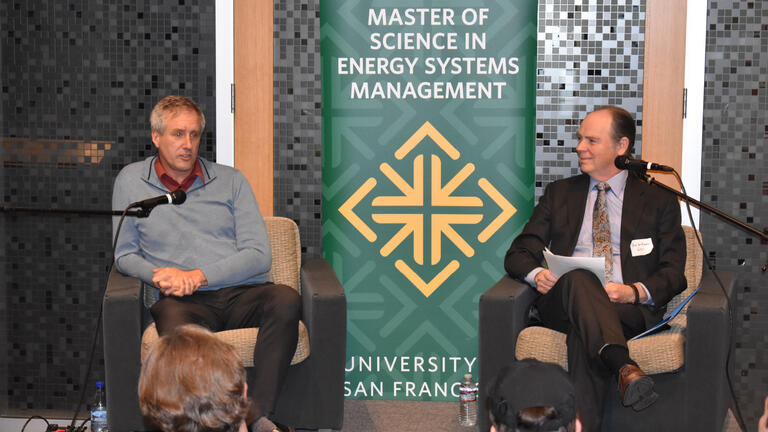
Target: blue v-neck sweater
<point x="218" y="229"/>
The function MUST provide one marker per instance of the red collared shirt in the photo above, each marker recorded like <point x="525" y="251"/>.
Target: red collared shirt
<point x="172" y="184"/>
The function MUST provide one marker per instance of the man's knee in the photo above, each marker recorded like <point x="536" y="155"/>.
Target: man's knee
<point x="284" y="304"/>
<point x="580" y="282"/>
<point x="169" y="313"/>
<point x="581" y="276"/>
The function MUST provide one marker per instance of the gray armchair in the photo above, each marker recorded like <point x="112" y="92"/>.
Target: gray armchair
<point x="687" y="361"/>
<point x="313" y="395"/>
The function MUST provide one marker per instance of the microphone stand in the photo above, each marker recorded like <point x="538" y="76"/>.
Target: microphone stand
<point x="762" y="234"/>
<point x="140" y="213"/>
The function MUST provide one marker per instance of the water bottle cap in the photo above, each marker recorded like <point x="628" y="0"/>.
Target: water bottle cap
<point x="467" y="376"/>
<point x="99" y="384"/>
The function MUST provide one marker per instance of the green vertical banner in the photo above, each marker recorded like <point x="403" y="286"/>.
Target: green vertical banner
<point x="428" y="172"/>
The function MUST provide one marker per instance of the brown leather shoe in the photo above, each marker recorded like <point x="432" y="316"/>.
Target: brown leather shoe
<point x="636" y="388"/>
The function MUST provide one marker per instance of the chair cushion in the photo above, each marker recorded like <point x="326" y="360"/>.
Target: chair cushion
<point x="242" y="339"/>
<point x="659" y="353"/>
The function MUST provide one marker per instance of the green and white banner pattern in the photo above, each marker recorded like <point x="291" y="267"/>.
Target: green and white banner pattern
<point x="428" y="152"/>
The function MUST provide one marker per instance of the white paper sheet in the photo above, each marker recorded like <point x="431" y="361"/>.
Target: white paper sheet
<point x="560" y="265"/>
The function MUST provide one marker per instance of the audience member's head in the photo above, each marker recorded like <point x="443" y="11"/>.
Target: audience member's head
<point x="529" y="395"/>
<point x="193" y="382"/>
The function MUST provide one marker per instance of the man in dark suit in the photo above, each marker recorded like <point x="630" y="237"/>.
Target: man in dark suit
<point x="636" y="227"/>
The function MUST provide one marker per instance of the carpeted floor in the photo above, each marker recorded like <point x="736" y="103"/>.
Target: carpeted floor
<point x="401" y="416"/>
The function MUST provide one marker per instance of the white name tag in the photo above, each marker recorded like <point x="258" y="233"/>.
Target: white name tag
<point x="640" y="247"/>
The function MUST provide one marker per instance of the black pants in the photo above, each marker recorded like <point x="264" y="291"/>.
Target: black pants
<point x="275" y="309"/>
<point x="579" y="307"/>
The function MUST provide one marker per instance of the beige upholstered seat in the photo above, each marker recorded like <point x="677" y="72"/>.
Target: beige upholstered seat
<point x="286" y="262"/>
<point x="658" y="353"/>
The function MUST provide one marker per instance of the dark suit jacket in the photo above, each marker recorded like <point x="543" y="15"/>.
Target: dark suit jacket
<point x="647" y="212"/>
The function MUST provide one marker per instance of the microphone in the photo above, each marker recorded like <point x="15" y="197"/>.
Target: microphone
<point x="176" y="197"/>
<point x="625" y="162"/>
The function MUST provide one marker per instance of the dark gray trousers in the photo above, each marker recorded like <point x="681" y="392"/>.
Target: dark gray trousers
<point x="579" y="307"/>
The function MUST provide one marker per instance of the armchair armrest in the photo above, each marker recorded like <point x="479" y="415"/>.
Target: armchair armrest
<point x="322" y="296"/>
<point x="504" y="310"/>
<point x="321" y="375"/>
<point x="707" y="346"/>
<point x="503" y="315"/>
<point x="122" y="343"/>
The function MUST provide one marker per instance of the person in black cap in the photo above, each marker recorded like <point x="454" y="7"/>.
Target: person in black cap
<point x="531" y="396"/>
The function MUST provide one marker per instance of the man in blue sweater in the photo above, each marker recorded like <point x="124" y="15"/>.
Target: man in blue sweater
<point x="210" y="257"/>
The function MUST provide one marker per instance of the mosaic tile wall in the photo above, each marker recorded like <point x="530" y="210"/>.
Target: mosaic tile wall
<point x="78" y="81"/>
<point x="298" y="189"/>
<point x="590" y="54"/>
<point x="735" y="179"/>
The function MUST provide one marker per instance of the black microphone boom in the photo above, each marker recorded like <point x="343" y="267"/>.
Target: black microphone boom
<point x="176" y="197"/>
<point x="144" y="207"/>
<point x="625" y="162"/>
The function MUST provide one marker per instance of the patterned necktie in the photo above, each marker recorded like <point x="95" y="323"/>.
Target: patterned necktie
<point x="601" y="230"/>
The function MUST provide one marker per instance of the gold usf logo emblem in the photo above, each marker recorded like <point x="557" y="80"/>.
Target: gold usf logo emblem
<point x="412" y="209"/>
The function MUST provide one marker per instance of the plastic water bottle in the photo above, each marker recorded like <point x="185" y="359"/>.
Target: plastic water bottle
<point x="468" y="402"/>
<point x="99" y="410"/>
